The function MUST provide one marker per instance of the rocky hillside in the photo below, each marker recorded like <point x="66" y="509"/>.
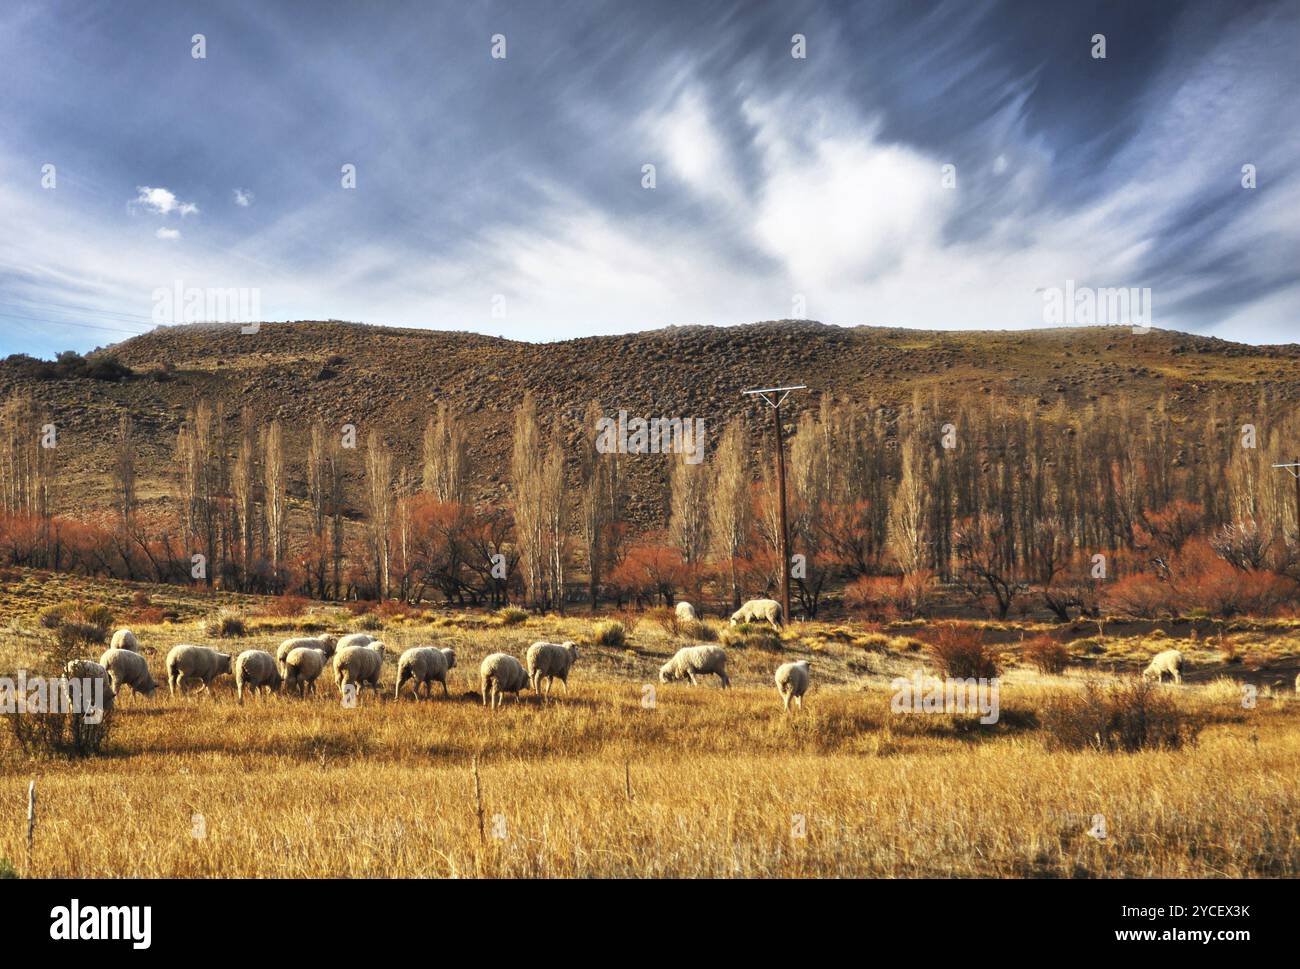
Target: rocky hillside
<point x="391" y="378"/>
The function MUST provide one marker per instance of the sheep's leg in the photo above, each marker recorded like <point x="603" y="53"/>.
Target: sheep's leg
<point x="444" y="688"/>
<point x="691" y="675"/>
<point x="565" y="681"/>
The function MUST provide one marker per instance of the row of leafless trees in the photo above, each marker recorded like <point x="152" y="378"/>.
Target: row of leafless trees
<point x="980" y="495"/>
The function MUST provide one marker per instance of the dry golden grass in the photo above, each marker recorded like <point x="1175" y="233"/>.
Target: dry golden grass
<point x="719" y="780"/>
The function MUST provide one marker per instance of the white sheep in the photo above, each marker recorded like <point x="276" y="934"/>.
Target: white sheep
<point x="792" y="682"/>
<point x="256" y="669"/>
<point x="759" y="610"/>
<point x="424" y="665"/>
<point x="358" y="666"/>
<point x="354" y="639"/>
<point x="1170" y="661"/>
<point x="503" y="674"/>
<point x="693" y="661"/>
<point x="124" y="639"/>
<point x="686" y="612"/>
<point x="326" y="644"/>
<point x="126" y="668"/>
<point x="202" y="663"/>
<point x="84" y="669"/>
<point x="550" y="660"/>
<point x="301" y="668"/>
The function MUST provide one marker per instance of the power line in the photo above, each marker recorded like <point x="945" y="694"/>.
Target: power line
<point x="84" y="326"/>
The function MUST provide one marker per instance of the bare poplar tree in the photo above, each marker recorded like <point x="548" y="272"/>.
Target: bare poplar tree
<point x="379" y="493"/>
<point x="729" y="509"/>
<point x="446" y="457"/>
<point x="243" y="487"/>
<point x="555" y="520"/>
<point x="688" y="515"/>
<point x="199" y="499"/>
<point x="529" y="501"/>
<point x="907" y="512"/>
<point x="593" y="501"/>
<point x="124" y="473"/>
<point x="275" y="500"/>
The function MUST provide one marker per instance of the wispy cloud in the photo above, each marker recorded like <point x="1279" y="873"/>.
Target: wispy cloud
<point x="775" y="177"/>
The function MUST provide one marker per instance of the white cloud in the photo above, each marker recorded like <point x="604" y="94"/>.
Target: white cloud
<point x="165" y="233"/>
<point x="162" y="201"/>
<point x="243" y="199"/>
<point x="692" y="150"/>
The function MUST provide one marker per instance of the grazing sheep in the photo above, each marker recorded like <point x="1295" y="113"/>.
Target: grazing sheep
<point x="201" y="663"/>
<point x="124" y="639"/>
<point x="550" y="660"/>
<point x="301" y="668"/>
<point x="256" y="669"/>
<point x="325" y="644"/>
<point x="693" y="661"/>
<point x="358" y="666"/>
<point x="126" y="668"/>
<point x="84" y="669"/>
<point x="504" y="674"/>
<point x="1170" y="661"/>
<point x="792" y="682"/>
<point x="756" y="610"/>
<point x="353" y="639"/>
<point x="686" y="612"/>
<point x="424" y="665"/>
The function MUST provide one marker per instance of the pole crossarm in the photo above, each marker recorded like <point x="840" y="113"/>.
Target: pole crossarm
<point x="783" y="391"/>
<point x="1292" y="469"/>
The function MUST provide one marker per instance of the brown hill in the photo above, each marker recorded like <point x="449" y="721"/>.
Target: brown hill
<point x="390" y="379"/>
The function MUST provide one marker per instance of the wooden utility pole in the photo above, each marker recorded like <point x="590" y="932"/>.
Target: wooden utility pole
<point x="1294" y="470"/>
<point x="775" y="403"/>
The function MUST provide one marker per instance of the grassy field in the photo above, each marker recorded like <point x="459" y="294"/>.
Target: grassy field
<point x="704" y="783"/>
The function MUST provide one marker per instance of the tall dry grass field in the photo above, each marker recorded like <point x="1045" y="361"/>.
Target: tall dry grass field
<point x="705" y="783"/>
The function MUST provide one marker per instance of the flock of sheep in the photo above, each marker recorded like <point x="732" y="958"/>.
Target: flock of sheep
<point x="358" y="661"/>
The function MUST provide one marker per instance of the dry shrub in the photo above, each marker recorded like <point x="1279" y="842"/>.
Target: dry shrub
<point x="747" y="635"/>
<point x="370" y="622"/>
<point x="52" y="617"/>
<point x="360" y="606"/>
<point x="665" y="618"/>
<point x="150" y="616"/>
<point x="226" y="625"/>
<point x="72" y="635"/>
<point x="1127" y="716"/>
<point x="960" y="652"/>
<point x="286" y="606"/>
<point x="396" y="609"/>
<point x="874" y="642"/>
<point x="40" y="732"/>
<point x="609" y="632"/>
<point x="699" y="629"/>
<point x="1048" y="655"/>
<point x="65" y="734"/>
<point x="512" y="616"/>
<point x="82" y="614"/>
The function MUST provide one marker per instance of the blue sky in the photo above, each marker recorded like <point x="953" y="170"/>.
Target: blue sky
<point x="515" y="185"/>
